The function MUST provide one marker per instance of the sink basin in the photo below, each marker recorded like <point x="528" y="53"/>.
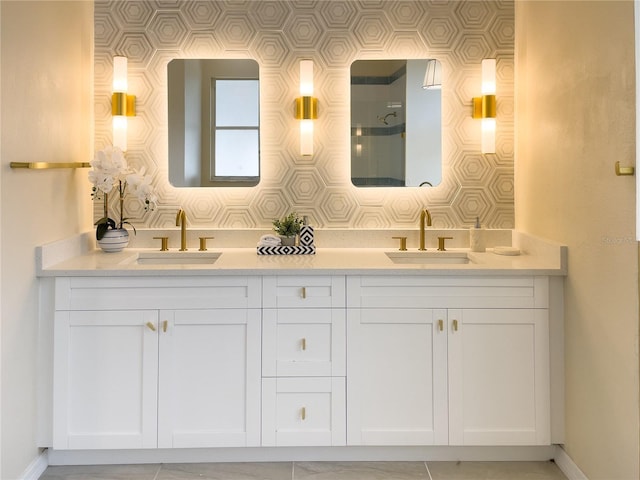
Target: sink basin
<point x="177" y="258"/>
<point x="428" y="257"/>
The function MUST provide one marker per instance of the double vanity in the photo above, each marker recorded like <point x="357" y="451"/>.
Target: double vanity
<point x="350" y="351"/>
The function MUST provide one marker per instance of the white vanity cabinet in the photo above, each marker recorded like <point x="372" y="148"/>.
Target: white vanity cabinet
<point x="105" y="379"/>
<point x="156" y="362"/>
<point x="447" y="360"/>
<point x="303" y="361"/>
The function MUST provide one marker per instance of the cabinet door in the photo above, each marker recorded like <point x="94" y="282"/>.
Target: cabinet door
<point x="105" y="379"/>
<point x="209" y="378"/>
<point x="396" y="377"/>
<point x="499" y="377"/>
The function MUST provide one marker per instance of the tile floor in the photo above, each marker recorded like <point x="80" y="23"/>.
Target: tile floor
<point x="313" y="471"/>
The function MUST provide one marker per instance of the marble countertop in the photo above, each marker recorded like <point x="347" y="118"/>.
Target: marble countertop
<point x="329" y="261"/>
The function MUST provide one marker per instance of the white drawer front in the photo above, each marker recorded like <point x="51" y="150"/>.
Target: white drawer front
<point x="303" y="411"/>
<point x="303" y="342"/>
<point x="299" y="291"/>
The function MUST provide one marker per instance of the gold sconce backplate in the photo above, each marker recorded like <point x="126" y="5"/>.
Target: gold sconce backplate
<point x="306" y="108"/>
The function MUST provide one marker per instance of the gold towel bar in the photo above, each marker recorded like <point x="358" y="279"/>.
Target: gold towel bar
<point x="47" y="165"/>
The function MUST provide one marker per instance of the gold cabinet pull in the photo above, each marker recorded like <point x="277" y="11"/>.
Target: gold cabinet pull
<point x="441" y="325"/>
<point x="151" y="326"/>
<point x="303" y="413"/>
<point x="455" y="325"/>
<point x="304" y="292"/>
<point x="164" y="325"/>
<point x="304" y="343"/>
<point x="620" y="171"/>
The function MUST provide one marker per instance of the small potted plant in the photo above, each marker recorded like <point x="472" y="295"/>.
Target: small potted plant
<point x="288" y="228"/>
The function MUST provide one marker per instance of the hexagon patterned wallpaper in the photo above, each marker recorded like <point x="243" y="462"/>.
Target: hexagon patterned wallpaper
<point x="332" y="33"/>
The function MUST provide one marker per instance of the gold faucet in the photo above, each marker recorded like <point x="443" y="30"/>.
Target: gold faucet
<point x="424" y="215"/>
<point x="181" y="221"/>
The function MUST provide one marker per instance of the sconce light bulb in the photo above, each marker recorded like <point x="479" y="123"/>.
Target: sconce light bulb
<point x="306" y="137"/>
<point x="489" y="76"/>
<point x="306" y="78"/>
<point x="120" y="74"/>
<point x="488" y="135"/>
<point x="120" y="132"/>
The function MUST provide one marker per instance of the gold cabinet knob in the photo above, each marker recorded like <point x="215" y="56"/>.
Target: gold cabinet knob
<point x="203" y="243"/>
<point x="151" y="326"/>
<point x="403" y="243"/>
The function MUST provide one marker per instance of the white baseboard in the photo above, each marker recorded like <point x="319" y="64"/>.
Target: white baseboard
<point x="37" y="467"/>
<point x="290" y="454"/>
<point x="567" y="465"/>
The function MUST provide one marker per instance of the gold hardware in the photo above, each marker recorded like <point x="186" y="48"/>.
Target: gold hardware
<point x="620" y="171"/>
<point x="455" y="325"/>
<point x="48" y="165"/>
<point x="441" y="325"/>
<point x="164" y="326"/>
<point x="484" y="106"/>
<point x="304" y="343"/>
<point x="306" y="108"/>
<point x="303" y="413"/>
<point x="424" y="215"/>
<point x="203" y="243"/>
<point x="164" y="243"/>
<point x="441" y="243"/>
<point x="151" y="326"/>
<point x="123" y="104"/>
<point x="304" y="292"/>
<point x="181" y="221"/>
<point x="403" y="243"/>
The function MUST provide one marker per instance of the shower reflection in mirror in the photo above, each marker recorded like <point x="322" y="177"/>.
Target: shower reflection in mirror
<point x="396" y="134"/>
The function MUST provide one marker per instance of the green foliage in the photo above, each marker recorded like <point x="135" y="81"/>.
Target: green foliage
<point x="288" y="226"/>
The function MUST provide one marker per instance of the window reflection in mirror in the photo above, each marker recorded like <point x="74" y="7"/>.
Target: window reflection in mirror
<point x="396" y="132"/>
<point x="214" y="126"/>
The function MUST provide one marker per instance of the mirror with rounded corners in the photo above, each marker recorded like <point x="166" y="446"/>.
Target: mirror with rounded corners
<point x="214" y="122"/>
<point x="396" y="127"/>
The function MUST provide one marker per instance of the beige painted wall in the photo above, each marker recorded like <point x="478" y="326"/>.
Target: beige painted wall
<point x="46" y="107"/>
<point x="575" y="107"/>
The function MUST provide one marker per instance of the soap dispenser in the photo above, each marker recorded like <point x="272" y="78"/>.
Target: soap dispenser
<point x="476" y="238"/>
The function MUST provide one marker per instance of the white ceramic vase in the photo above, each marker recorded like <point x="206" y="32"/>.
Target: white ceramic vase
<point x="114" y="240"/>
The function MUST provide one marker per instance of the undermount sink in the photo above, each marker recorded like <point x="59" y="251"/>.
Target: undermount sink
<point x="428" y="257"/>
<point x="177" y="258"/>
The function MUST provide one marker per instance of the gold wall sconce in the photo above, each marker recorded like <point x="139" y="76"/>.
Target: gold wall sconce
<point x="306" y="107"/>
<point x="484" y="107"/>
<point x="123" y="105"/>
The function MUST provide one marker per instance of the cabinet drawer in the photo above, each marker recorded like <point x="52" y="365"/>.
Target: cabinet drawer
<point x="299" y="291"/>
<point x="447" y="292"/>
<point x="303" y="411"/>
<point x="303" y="342"/>
<point x="139" y="293"/>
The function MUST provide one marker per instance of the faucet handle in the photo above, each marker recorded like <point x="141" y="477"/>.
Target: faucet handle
<point x="403" y="243"/>
<point x="164" y="243"/>
<point x="203" y="243"/>
<point x="441" y="243"/>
